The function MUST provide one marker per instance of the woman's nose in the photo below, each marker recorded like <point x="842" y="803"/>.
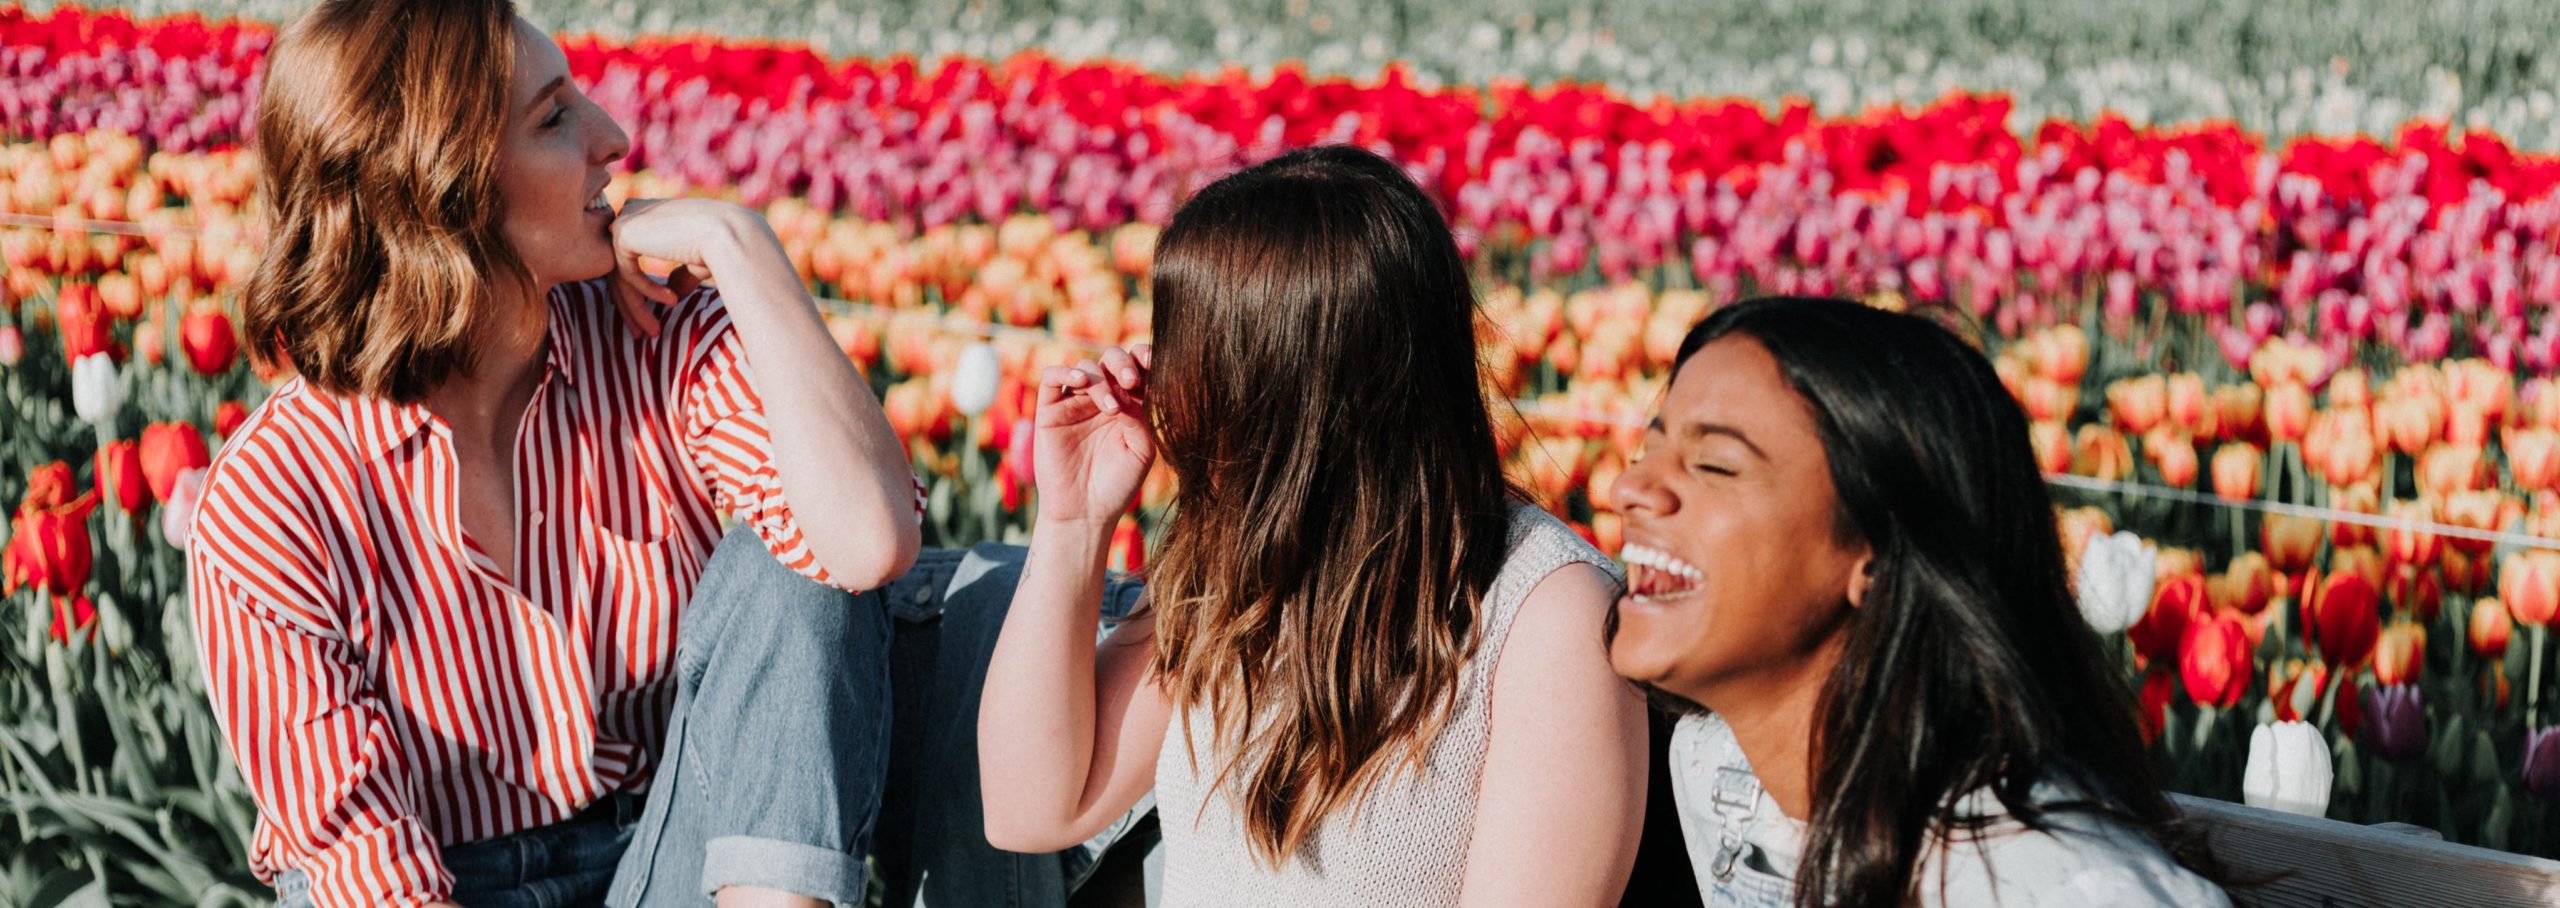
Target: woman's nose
<point x="1638" y="489"/>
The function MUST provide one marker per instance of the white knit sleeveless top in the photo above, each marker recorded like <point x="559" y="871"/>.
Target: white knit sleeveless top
<point x="1405" y="844"/>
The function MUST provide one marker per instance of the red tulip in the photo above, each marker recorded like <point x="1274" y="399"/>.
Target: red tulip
<point x="227" y="417"/>
<point x="2214" y="662"/>
<point x="1128" y="546"/>
<point x="72" y="615"/>
<point x="167" y="448"/>
<point x="2175" y="603"/>
<point x="208" y="339"/>
<point x="2295" y="688"/>
<point x="118" y="469"/>
<point x="49" y="548"/>
<point x="2344" y="623"/>
<point x="2157" y="689"/>
<point x="48" y="487"/>
<point x="84" y="323"/>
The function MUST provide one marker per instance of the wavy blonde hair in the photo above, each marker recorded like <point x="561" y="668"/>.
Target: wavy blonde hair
<point x="379" y="132"/>
<point x="1341" y="509"/>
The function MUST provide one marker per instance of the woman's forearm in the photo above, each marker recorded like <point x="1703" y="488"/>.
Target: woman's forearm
<point x="1036" y="717"/>
<point x="842" y="468"/>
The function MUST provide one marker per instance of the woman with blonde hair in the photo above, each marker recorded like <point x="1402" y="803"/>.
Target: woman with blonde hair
<point x="459" y="587"/>
<point x="1369" y="673"/>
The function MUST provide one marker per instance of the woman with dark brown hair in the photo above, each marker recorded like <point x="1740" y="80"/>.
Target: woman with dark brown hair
<point x="1843" y="573"/>
<point x="1369" y="673"/>
<point x="437" y="577"/>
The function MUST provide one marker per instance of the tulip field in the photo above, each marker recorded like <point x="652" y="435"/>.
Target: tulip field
<point x="2298" y="397"/>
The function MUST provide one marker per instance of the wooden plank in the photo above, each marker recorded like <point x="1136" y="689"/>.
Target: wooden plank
<point x="2343" y="865"/>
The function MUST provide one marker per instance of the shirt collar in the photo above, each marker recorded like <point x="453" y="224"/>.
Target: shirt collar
<point x="383" y="426"/>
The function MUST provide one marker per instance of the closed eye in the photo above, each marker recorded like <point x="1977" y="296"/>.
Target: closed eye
<point x="557" y="114"/>
<point x="1711" y="469"/>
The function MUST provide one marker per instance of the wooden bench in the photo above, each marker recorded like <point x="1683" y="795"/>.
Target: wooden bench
<point x="2331" y="864"/>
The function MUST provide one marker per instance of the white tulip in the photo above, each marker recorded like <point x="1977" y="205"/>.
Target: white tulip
<point x="2288" y="769"/>
<point x="96" y="390"/>
<point x="973" y="384"/>
<point x="2116" y="574"/>
<point x="178" y="515"/>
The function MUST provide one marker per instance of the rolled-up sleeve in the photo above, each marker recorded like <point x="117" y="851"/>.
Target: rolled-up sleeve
<point x="723" y="422"/>
<point x="313" y="743"/>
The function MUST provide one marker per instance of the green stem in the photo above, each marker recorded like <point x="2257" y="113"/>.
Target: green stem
<point x="2533" y="681"/>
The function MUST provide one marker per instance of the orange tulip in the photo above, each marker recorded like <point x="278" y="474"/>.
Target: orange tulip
<point x="2139" y="403"/>
<point x="2350" y="457"/>
<point x="2076" y="526"/>
<point x="2529" y="584"/>
<point x="2047" y="400"/>
<point x="2064" y="354"/>
<point x="2413" y="423"/>
<point x="2466" y="426"/>
<point x="2102" y="453"/>
<point x="2446" y="469"/>
<point x="2360" y="499"/>
<point x="2350" y="389"/>
<point x="2175" y="456"/>
<point x="2400" y="654"/>
<point x="2541" y="409"/>
<point x="2344" y="623"/>
<point x="2250" y="583"/>
<point x="2361" y="561"/>
<point x="2188" y="407"/>
<point x="2289" y="542"/>
<point x="2410" y="541"/>
<point x="2214" y="661"/>
<point x="2481" y="386"/>
<point x="2472" y="511"/>
<point x="2052" y="441"/>
<point x="2533" y="458"/>
<point x="2288" y="412"/>
<point x="2490" y="629"/>
<point x="2237" y="412"/>
<point x="118" y="470"/>
<point x="2235" y="471"/>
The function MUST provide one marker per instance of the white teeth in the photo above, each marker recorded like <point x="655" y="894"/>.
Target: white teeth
<point x="1657" y="559"/>
<point x="598" y="201"/>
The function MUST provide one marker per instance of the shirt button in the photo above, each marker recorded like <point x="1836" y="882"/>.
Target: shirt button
<point x="537" y="518"/>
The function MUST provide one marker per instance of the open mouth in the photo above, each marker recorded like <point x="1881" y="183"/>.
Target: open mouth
<point x="598" y="203"/>
<point x="1654" y="575"/>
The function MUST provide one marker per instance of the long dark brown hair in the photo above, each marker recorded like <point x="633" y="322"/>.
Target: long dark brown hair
<point x="1341" y="508"/>
<point x="1967" y="665"/>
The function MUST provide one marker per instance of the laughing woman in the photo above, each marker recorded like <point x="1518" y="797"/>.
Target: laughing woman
<point x="437" y="577"/>
<point x="1843" y="564"/>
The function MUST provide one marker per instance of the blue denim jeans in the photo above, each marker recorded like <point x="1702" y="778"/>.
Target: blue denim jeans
<point x="810" y="725"/>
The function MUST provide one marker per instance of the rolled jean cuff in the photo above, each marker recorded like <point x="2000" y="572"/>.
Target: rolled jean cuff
<point x="819" y="873"/>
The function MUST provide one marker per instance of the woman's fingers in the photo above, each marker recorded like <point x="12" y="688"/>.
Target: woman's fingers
<point x="1098" y="386"/>
<point x="1124" y="368"/>
<point x="1145" y="354"/>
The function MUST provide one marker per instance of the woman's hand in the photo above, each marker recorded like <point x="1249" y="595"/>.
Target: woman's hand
<point x="689" y="232"/>
<point x="1093" y="442"/>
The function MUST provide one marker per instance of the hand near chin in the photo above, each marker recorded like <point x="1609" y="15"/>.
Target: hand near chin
<point x="688" y="232"/>
<point x="1093" y="444"/>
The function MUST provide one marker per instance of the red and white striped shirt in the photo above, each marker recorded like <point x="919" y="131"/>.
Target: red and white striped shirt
<point x="386" y="690"/>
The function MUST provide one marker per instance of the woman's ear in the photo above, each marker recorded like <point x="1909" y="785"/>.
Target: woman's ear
<point x="1862" y="574"/>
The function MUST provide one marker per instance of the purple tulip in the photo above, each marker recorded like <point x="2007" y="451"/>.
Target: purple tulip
<point x="2395" y="722"/>
<point x="2541" y="769"/>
